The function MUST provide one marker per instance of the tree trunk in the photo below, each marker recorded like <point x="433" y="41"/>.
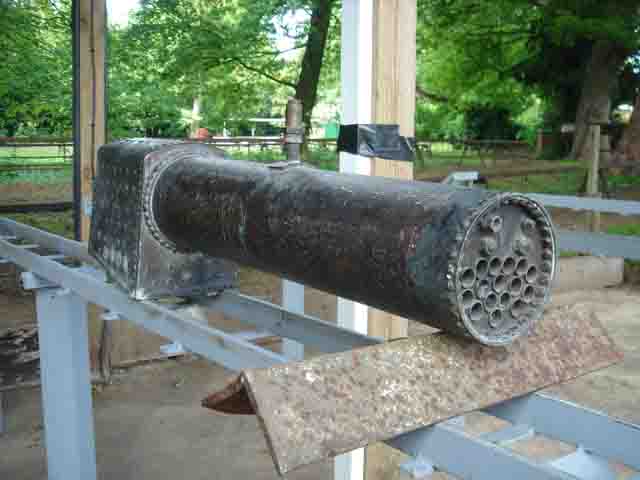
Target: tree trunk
<point x="627" y="153"/>
<point x="600" y="78"/>
<point x="307" y="86"/>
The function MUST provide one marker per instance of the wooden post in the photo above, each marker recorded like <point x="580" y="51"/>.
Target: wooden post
<point x="89" y="133"/>
<point x="89" y="122"/>
<point x="594" y="177"/>
<point x="394" y="87"/>
<point x="378" y="86"/>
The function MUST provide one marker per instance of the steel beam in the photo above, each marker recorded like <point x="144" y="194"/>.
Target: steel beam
<point x="575" y="424"/>
<point x="600" y="244"/>
<point x="178" y="324"/>
<point x="468" y="457"/>
<point x="326" y="337"/>
<point x="66" y="384"/>
<point x="621" y="207"/>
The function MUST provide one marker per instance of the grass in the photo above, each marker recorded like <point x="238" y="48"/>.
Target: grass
<point x="59" y="223"/>
<point x="626" y="229"/>
<point x="568" y="183"/>
<point x="37" y="176"/>
<point x="46" y="155"/>
<point x="34" y="155"/>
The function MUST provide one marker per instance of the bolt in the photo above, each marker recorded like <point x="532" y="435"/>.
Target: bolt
<point x="488" y="245"/>
<point x="528" y="225"/>
<point x="493" y="223"/>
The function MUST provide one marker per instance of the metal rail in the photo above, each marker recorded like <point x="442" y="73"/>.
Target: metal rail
<point x="577" y="241"/>
<point x="36" y="207"/>
<point x="62" y="293"/>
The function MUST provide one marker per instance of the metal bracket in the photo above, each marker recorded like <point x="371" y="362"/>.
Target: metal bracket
<point x="584" y="465"/>
<point x="31" y="281"/>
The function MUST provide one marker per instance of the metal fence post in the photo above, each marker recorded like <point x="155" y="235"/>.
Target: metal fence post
<point x="2" y="419"/>
<point x="594" y="177"/>
<point x="66" y="384"/>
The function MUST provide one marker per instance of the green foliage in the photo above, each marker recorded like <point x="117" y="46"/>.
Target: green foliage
<point x="568" y="183"/>
<point x="627" y="229"/>
<point x="58" y="223"/>
<point x="509" y="55"/>
<point x="35" y="84"/>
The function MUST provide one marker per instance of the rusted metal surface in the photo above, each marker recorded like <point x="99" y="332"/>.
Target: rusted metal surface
<point x="121" y="240"/>
<point x="468" y="261"/>
<point x="331" y="404"/>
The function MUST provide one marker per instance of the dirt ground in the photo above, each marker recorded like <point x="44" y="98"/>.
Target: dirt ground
<point x="149" y="423"/>
<point x="27" y="192"/>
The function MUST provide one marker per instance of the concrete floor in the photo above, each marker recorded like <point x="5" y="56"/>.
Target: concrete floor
<point x="150" y="426"/>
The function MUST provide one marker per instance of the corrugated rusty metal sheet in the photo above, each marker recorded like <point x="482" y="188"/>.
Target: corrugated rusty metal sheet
<point x="331" y="404"/>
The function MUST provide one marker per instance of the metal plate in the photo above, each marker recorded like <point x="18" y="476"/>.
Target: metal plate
<point x="121" y="240"/>
<point x="332" y="404"/>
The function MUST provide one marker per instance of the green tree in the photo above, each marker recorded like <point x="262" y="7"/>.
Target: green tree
<point x="570" y="53"/>
<point x="35" y="81"/>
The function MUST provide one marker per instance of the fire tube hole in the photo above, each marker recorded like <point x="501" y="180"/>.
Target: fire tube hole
<point x="468" y="277"/>
<point x="519" y="308"/>
<point x="492" y="301"/>
<point x="482" y="268"/>
<point x="516" y="286"/>
<point x="505" y="299"/>
<point x="495" y="319"/>
<point x="522" y="267"/>
<point x="500" y="283"/>
<point x="532" y="274"/>
<point x="467" y="298"/>
<point x="495" y="265"/>
<point x="528" y="294"/>
<point x="476" y="312"/>
<point x="509" y="265"/>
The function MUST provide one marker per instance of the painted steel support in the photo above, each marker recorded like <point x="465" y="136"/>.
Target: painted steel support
<point x="356" y="68"/>
<point x="293" y="300"/>
<point x="66" y="384"/>
<point x="292" y="292"/>
<point x="571" y="423"/>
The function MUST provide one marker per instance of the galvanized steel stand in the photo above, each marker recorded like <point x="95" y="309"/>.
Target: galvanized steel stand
<point x="65" y="381"/>
<point x="62" y="293"/>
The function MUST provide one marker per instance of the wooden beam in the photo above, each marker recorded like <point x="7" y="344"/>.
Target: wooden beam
<point x="89" y="129"/>
<point x="394" y="87"/>
<point x="394" y="94"/>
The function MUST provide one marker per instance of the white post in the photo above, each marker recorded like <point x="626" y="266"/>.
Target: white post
<point x="66" y="385"/>
<point x="292" y="299"/>
<point x="357" y="107"/>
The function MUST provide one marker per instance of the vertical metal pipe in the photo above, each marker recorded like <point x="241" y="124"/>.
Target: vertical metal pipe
<point x="294" y="132"/>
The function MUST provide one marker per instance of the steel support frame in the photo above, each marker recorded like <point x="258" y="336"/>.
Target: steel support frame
<point x="63" y="292"/>
<point x="66" y="384"/>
